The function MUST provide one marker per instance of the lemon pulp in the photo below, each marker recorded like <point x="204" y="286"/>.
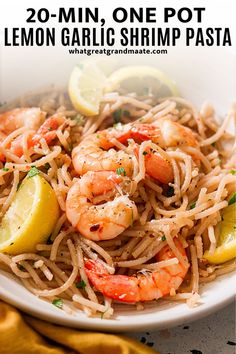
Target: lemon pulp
<point x="89" y="80"/>
<point x="85" y="88"/>
<point x="142" y="80"/>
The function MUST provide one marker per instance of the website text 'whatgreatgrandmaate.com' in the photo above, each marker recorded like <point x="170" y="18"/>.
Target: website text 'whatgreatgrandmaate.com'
<point x="109" y="52"/>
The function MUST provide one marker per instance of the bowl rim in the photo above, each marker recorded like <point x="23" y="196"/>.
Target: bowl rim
<point x="112" y="325"/>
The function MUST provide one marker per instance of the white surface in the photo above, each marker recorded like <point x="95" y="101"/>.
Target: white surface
<point x="201" y="74"/>
<point x="214" y="334"/>
<point x="206" y="72"/>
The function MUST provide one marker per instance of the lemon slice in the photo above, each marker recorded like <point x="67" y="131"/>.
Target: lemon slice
<point x="226" y="249"/>
<point x="106" y="65"/>
<point x="86" y="85"/>
<point x="30" y="218"/>
<point x="142" y="80"/>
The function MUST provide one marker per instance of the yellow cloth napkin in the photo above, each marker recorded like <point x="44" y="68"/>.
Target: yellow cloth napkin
<point x="22" y="334"/>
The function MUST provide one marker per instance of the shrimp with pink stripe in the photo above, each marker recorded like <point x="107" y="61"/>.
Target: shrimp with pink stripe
<point x="140" y="287"/>
<point x="97" y="160"/>
<point x="99" y="221"/>
<point x="33" y="119"/>
<point x="97" y="151"/>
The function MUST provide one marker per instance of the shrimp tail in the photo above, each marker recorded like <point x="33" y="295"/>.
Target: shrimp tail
<point x="139" y="132"/>
<point x="47" y="131"/>
<point x="119" y="287"/>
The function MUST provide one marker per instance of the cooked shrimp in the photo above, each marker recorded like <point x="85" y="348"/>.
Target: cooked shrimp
<point x="140" y="287"/>
<point x="103" y="221"/>
<point x="96" y="152"/>
<point x="174" y="134"/>
<point x="164" y="133"/>
<point x="33" y="119"/>
<point x="47" y="131"/>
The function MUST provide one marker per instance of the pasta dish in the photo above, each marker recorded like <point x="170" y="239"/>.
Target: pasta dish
<point x="140" y="199"/>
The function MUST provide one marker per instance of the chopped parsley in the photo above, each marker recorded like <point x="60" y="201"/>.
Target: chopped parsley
<point x="233" y="172"/>
<point x="121" y="171"/>
<point x="192" y="206"/>
<point x="33" y="172"/>
<point x="47" y="166"/>
<point x="117" y="115"/>
<point x="170" y="191"/>
<point x="80" y="285"/>
<point x="18" y="186"/>
<point x="213" y="144"/>
<point x="21" y="267"/>
<point x="49" y="129"/>
<point x="232" y="199"/>
<point x="163" y="238"/>
<point x="58" y="303"/>
<point x="5" y="169"/>
<point x="146" y="90"/>
<point x="126" y="113"/>
<point x="79" y="119"/>
<point x="145" y="153"/>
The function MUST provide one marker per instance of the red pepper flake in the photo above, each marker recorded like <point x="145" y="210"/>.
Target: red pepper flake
<point x="94" y="227"/>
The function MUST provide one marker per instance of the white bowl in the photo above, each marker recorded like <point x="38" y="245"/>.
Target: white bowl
<point x="201" y="75"/>
<point x="156" y="315"/>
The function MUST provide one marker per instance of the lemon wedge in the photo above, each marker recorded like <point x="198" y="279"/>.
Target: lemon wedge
<point x="30" y="218"/>
<point x="226" y="249"/>
<point x="142" y="80"/>
<point x="86" y="85"/>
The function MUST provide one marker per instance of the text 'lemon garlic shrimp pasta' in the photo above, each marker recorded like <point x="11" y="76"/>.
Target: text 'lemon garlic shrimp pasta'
<point x="129" y="204"/>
